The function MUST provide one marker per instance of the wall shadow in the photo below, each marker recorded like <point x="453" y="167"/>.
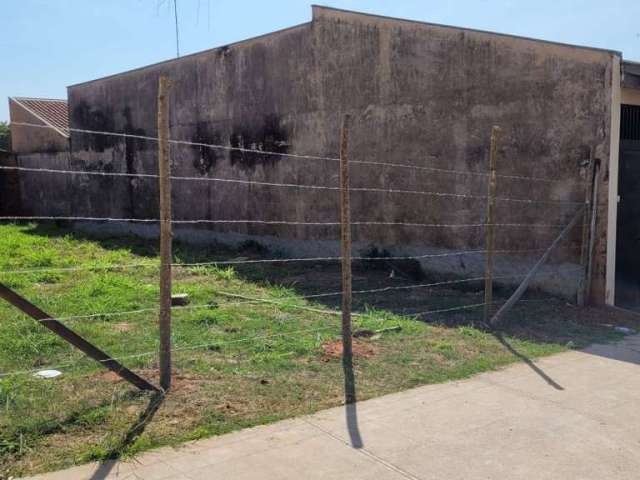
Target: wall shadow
<point x="538" y="317"/>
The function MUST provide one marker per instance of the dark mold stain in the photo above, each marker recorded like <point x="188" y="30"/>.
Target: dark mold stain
<point x="271" y="137"/>
<point x="85" y="117"/>
<point x="131" y="146"/>
<point x="224" y="51"/>
<point x="206" y="157"/>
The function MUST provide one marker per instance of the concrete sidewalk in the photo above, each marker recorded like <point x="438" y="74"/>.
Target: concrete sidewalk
<point x="570" y="416"/>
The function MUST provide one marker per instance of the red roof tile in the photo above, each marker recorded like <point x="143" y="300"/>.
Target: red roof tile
<point x="52" y="112"/>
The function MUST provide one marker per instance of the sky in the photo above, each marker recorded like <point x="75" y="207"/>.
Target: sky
<point x="49" y="44"/>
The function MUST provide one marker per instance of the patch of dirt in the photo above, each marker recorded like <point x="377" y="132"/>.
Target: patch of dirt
<point x="123" y="327"/>
<point x="333" y="349"/>
<point x="179" y="381"/>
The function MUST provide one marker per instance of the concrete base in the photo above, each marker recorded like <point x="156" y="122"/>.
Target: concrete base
<point x="570" y="416"/>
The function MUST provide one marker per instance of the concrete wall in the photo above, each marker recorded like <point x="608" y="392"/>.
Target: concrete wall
<point x="419" y="94"/>
<point x="25" y="139"/>
<point x="10" y="197"/>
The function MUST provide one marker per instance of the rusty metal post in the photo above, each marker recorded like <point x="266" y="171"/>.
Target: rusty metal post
<point x="164" y="167"/>
<point x="345" y="220"/>
<point x="490" y="226"/>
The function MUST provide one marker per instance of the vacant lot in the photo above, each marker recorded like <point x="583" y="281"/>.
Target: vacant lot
<point x="237" y="363"/>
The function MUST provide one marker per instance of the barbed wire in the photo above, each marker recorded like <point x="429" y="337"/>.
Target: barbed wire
<point x="292" y="155"/>
<point x="259" y="337"/>
<point x="281" y="301"/>
<point x="270" y="261"/>
<point x="278" y="300"/>
<point x="278" y="222"/>
<point x="289" y="185"/>
<point x="175" y="349"/>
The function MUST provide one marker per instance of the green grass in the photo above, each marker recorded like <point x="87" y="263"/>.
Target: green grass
<point x="236" y="364"/>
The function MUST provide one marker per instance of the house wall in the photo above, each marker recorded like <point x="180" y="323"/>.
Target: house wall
<point x="9" y="186"/>
<point x="420" y="94"/>
<point x="25" y="139"/>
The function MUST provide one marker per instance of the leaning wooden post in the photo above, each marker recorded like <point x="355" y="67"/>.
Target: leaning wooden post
<point x="490" y="226"/>
<point x="513" y="299"/>
<point x="345" y="220"/>
<point x="164" y="167"/>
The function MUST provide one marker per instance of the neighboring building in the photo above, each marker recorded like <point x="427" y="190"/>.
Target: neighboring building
<point x="46" y="112"/>
<point x="420" y="94"/>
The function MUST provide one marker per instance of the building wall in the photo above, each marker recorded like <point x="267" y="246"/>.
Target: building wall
<point x="419" y="94"/>
<point x="26" y="139"/>
<point x="9" y="186"/>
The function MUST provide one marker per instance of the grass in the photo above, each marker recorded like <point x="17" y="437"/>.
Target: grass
<point x="236" y="364"/>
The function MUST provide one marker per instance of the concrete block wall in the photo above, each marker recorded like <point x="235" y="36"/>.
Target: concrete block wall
<point x="420" y="94"/>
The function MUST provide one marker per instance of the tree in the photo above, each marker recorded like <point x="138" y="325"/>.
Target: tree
<point x="5" y="136"/>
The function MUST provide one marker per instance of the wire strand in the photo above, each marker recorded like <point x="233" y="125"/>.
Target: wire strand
<point x="280" y="222"/>
<point x="291" y="155"/>
<point x="176" y="349"/>
<point x="270" y="261"/>
<point x="289" y="185"/>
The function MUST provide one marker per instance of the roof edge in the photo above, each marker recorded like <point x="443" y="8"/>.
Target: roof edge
<point x="201" y="52"/>
<point x="466" y="29"/>
<point x="38" y="116"/>
<point x="39" y="99"/>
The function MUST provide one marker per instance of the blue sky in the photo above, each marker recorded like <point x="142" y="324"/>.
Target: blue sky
<point x="49" y="44"/>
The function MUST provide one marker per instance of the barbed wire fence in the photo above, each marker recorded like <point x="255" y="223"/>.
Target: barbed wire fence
<point x="580" y="210"/>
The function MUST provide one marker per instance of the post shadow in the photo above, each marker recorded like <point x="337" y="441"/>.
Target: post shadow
<point x="528" y="361"/>
<point x="137" y="429"/>
<point x="351" y="411"/>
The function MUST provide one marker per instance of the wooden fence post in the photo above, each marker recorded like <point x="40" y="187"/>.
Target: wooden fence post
<point x="584" y="246"/>
<point x="164" y="167"/>
<point x="490" y="226"/>
<point x="345" y="220"/>
<point x="513" y="299"/>
<point x="592" y="230"/>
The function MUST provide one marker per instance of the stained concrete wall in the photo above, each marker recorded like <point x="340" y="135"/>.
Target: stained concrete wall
<point x="420" y="94"/>
<point x="9" y="186"/>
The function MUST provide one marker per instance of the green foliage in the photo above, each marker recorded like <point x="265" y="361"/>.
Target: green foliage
<point x="5" y="136"/>
<point x="238" y="363"/>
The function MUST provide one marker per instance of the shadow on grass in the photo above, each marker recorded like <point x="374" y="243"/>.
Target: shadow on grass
<point x="527" y="361"/>
<point x="137" y="429"/>
<point x="538" y="318"/>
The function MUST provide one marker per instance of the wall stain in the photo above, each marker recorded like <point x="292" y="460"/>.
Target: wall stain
<point x="206" y="158"/>
<point x="131" y="146"/>
<point x="271" y="137"/>
<point x="87" y="118"/>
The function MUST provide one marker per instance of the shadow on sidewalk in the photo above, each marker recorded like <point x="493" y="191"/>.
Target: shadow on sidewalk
<point x="528" y="361"/>
<point x="137" y="429"/>
<point x="351" y="409"/>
